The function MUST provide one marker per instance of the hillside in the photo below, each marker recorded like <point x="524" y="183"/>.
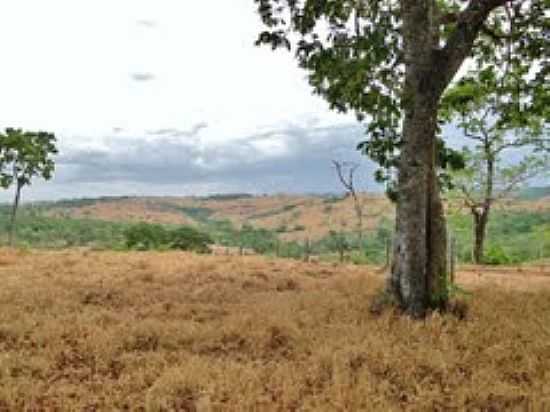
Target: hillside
<point x="293" y="217"/>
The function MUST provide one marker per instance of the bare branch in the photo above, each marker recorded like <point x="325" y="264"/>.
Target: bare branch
<point x="346" y="182"/>
<point x="349" y="185"/>
<point x="469" y="201"/>
<point x="521" y="177"/>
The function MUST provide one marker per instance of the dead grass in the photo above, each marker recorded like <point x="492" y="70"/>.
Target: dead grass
<point x="174" y="331"/>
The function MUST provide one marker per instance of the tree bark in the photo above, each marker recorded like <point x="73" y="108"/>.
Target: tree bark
<point x="418" y="278"/>
<point x="481" y="216"/>
<point x="480" y="229"/>
<point x="14" y="214"/>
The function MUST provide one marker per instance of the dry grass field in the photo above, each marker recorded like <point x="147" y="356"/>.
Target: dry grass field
<point x="87" y="331"/>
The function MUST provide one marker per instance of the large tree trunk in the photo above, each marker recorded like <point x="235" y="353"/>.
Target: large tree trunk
<point x="481" y="217"/>
<point x="418" y="278"/>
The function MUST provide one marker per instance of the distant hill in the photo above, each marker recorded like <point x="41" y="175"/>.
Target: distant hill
<point x="293" y="217"/>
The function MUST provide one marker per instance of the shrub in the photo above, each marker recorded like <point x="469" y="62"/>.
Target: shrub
<point x="188" y="238"/>
<point x="145" y="236"/>
<point x="495" y="255"/>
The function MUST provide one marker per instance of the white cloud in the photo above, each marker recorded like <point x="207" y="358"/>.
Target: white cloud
<point x="69" y="66"/>
<point x="104" y="71"/>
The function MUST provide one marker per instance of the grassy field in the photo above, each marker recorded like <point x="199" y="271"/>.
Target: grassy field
<point x="83" y="330"/>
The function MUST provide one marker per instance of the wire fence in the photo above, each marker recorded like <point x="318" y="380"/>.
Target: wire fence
<point x="375" y="247"/>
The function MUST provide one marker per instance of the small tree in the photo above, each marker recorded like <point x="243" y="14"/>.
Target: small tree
<point x="24" y="155"/>
<point x="480" y="105"/>
<point x="146" y="236"/>
<point x="189" y="238"/>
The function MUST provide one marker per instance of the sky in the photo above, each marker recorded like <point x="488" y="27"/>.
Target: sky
<point x="166" y="97"/>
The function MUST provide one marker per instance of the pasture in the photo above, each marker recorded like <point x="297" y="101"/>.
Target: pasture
<point x="174" y="331"/>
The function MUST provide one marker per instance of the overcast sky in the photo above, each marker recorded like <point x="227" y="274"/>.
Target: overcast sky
<point x="165" y="97"/>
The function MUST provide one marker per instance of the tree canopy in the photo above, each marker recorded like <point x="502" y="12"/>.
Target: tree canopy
<point x="24" y="155"/>
<point x="354" y="55"/>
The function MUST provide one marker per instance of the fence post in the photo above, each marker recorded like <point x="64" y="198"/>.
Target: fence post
<point x="278" y="248"/>
<point x="306" y="250"/>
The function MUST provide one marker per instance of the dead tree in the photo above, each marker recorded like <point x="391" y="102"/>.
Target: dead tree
<point x="346" y="174"/>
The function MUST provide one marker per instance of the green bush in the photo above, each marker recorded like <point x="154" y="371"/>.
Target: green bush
<point x="146" y="236"/>
<point x="495" y="255"/>
<point x="188" y="238"/>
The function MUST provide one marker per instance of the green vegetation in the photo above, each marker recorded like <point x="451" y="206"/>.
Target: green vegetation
<point x="513" y="237"/>
<point x="37" y="230"/>
<point x="372" y="248"/>
<point x="188" y="238"/>
<point x="228" y="196"/>
<point x="146" y="236"/>
<point x="23" y="157"/>
<point x="83" y="202"/>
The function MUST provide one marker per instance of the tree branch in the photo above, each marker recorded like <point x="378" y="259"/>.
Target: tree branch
<point x="468" y="199"/>
<point x="469" y="23"/>
<point x="520" y="177"/>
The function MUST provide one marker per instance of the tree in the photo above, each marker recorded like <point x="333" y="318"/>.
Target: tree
<point x="146" y="236"/>
<point x="390" y="61"/>
<point x="24" y="155"/>
<point x="348" y="181"/>
<point x="189" y="238"/>
<point x="480" y="105"/>
<point x="486" y="180"/>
